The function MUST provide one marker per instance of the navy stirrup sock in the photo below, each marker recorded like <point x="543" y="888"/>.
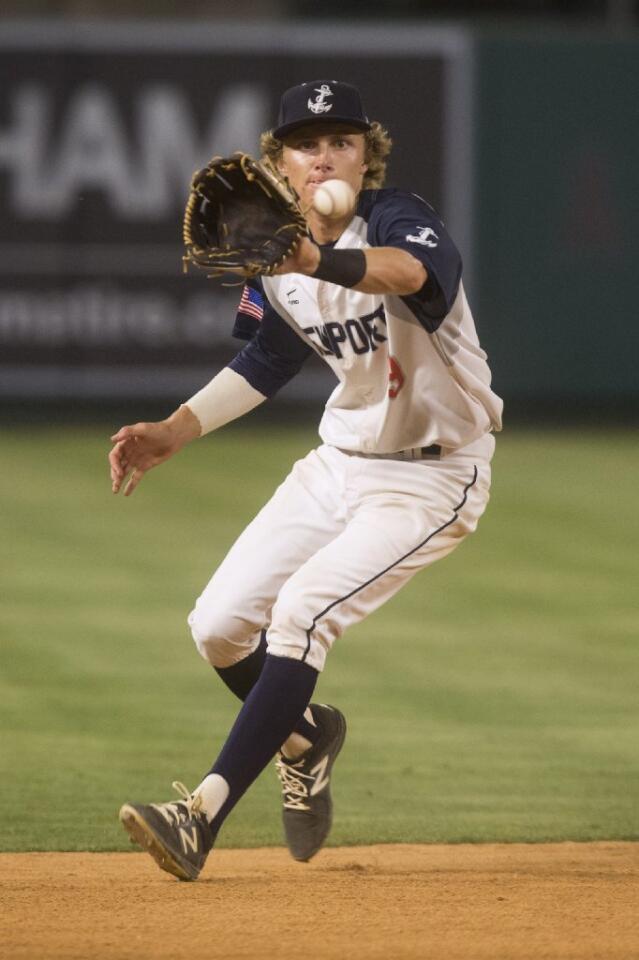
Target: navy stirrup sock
<point x="241" y="677"/>
<point x="270" y="713"/>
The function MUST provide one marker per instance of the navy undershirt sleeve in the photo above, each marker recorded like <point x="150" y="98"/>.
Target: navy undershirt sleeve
<point x="404" y="220"/>
<point x="274" y="355"/>
<point x="250" y="311"/>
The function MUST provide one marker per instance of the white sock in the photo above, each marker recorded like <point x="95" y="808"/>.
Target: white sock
<point x="213" y="791"/>
<point x="296" y="744"/>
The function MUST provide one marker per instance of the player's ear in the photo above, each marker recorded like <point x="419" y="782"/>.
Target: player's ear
<point x="364" y="164"/>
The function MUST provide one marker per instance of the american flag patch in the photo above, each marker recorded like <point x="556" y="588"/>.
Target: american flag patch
<point x="252" y="303"/>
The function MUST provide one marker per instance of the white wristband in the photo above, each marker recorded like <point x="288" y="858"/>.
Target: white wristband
<point x="225" y="398"/>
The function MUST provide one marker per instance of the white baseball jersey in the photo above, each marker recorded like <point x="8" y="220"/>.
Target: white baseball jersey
<point x="410" y="369"/>
<point x="344" y="533"/>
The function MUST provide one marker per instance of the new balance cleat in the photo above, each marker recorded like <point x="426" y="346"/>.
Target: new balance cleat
<point x="177" y="834"/>
<point x="307" y="811"/>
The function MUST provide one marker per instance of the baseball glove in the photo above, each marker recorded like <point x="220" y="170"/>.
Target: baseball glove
<point x="242" y="217"/>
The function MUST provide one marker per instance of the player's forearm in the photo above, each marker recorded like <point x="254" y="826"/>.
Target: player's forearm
<point x="390" y="270"/>
<point x="227" y="397"/>
<point x="375" y="270"/>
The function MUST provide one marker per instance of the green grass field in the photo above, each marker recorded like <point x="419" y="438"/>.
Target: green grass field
<point x="496" y="698"/>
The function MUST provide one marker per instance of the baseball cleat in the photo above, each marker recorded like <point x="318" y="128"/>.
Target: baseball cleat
<point x="177" y="834"/>
<point x="307" y="811"/>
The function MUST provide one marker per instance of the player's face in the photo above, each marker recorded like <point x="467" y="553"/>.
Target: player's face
<point x="314" y="154"/>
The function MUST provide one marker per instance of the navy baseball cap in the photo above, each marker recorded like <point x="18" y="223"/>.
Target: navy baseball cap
<point x="320" y="101"/>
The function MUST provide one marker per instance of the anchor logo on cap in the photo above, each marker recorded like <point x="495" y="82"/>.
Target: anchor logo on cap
<point x="319" y="105"/>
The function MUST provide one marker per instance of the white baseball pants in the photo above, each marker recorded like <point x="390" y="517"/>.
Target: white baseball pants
<point x="340" y="536"/>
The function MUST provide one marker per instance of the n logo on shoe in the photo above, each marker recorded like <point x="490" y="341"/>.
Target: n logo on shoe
<point x="321" y="780"/>
<point x="189" y="841"/>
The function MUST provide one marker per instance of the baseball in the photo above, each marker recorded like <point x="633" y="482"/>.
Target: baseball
<point x="334" y="199"/>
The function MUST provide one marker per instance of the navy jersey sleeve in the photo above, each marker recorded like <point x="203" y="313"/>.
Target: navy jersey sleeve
<point x="406" y="221"/>
<point x="273" y="356"/>
<point x="250" y="310"/>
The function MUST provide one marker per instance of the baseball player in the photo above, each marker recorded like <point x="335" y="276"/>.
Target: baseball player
<point x="401" y="477"/>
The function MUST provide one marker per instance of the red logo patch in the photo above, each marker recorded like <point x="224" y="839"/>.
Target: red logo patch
<point x="395" y="378"/>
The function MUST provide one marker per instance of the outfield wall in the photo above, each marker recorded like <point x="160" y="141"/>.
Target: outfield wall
<point x="556" y="164"/>
<point x="522" y="142"/>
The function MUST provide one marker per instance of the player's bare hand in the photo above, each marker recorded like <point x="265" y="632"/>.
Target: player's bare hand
<point x="304" y="259"/>
<point x="139" y="447"/>
<point x="136" y="449"/>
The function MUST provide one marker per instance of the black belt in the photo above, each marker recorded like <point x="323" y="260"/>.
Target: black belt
<point x="433" y="452"/>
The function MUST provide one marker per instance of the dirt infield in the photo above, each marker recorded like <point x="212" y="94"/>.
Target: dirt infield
<point x="467" y="902"/>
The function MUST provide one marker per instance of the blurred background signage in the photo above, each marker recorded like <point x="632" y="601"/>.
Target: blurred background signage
<point x="100" y="132"/>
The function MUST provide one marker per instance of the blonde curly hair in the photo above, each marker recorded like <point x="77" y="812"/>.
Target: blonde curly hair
<point x="377" y="146"/>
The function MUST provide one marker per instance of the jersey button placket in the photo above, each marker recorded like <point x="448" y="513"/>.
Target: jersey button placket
<point x="323" y="300"/>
